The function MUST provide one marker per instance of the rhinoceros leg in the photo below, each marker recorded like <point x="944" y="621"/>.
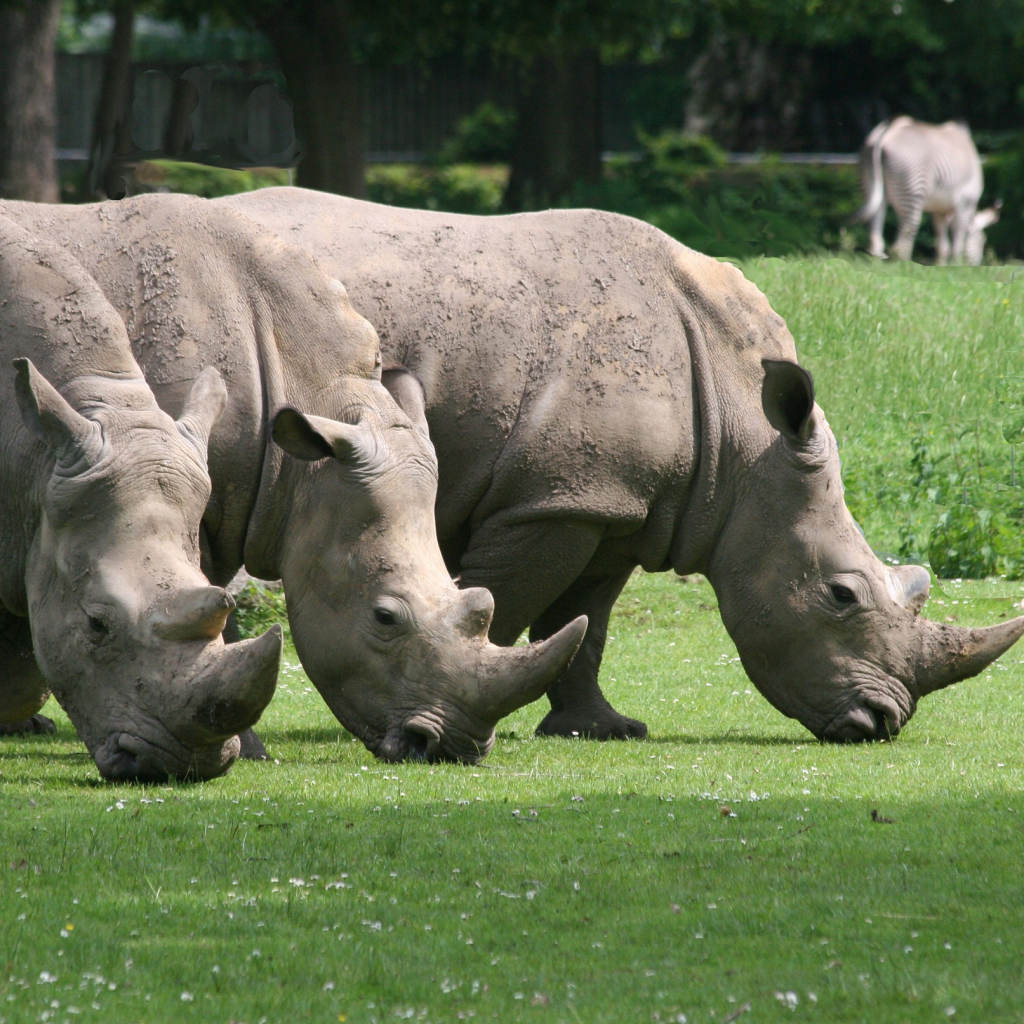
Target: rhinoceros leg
<point x="23" y="691"/>
<point x="532" y="570"/>
<point x="578" y="707"/>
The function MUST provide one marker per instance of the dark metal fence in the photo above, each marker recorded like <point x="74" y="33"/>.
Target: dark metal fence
<point x="409" y="112"/>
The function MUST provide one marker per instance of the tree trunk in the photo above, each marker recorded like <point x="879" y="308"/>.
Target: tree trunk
<point x="112" y="130"/>
<point x="28" y="115"/>
<point x="558" y="130"/>
<point x="313" y="44"/>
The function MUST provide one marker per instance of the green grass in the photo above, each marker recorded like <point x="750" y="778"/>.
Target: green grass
<point x="910" y="361"/>
<point x="492" y="893"/>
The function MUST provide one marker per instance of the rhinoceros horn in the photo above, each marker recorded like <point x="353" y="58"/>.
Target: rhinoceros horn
<point x="228" y="695"/>
<point x="508" y="678"/>
<point x="950" y="653"/>
<point x="194" y="614"/>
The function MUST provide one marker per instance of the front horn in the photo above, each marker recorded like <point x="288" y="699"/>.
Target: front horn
<point x="228" y="695"/>
<point x="512" y="677"/>
<point x="950" y="653"/>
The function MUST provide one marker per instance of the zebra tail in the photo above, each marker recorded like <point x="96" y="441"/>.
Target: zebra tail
<point x="871" y="175"/>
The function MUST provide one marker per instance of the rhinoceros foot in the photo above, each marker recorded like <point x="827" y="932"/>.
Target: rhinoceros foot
<point x="28" y="726"/>
<point x="604" y="723"/>
<point x="252" y="747"/>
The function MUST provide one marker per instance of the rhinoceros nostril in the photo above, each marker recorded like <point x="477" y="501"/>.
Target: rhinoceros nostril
<point x="423" y="739"/>
<point x="856" y="726"/>
<point x="417" y="746"/>
<point x="882" y="731"/>
<point x="116" y="764"/>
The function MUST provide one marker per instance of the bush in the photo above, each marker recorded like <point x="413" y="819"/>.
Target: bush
<point x="972" y="543"/>
<point x="683" y="185"/>
<point x="199" y="180"/>
<point x="484" y="137"/>
<point x="461" y="188"/>
<point x="258" y="607"/>
<point x="1004" y="179"/>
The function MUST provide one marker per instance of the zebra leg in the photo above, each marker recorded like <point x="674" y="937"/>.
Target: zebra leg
<point x="962" y="219"/>
<point x="877" y="245"/>
<point x="941" y="222"/>
<point x="910" y="222"/>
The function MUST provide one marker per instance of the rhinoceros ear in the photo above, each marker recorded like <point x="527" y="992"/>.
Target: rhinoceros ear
<point x="70" y="436"/>
<point x="204" y="403"/>
<point x="407" y="391"/>
<point x="311" y="438"/>
<point x="787" y="397"/>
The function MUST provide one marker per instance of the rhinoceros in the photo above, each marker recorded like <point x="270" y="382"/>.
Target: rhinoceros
<point x="602" y="397"/>
<point x="101" y="494"/>
<point x="345" y="519"/>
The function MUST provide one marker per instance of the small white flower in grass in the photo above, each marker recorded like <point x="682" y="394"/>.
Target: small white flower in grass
<point x="950" y="1010"/>
<point x="788" y="999"/>
<point x="518" y="995"/>
<point x="813" y="996"/>
<point x="947" y="945"/>
<point x="328" y="986"/>
<point x="187" y="997"/>
<point x="680" y="1018"/>
<point x="46" y="978"/>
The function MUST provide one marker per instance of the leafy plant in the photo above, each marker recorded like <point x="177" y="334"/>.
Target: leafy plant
<point x="460" y="188"/>
<point x="258" y="607"/>
<point x="485" y="137"/>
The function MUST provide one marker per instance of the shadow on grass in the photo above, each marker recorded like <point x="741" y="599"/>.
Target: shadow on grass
<point x="323" y="734"/>
<point x="736" y="738"/>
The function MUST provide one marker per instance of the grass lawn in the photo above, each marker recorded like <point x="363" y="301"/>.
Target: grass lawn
<point x="729" y="862"/>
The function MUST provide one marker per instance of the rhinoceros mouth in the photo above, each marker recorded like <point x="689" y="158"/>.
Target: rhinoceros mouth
<point x="128" y="757"/>
<point x="427" y="737"/>
<point x="876" y="719"/>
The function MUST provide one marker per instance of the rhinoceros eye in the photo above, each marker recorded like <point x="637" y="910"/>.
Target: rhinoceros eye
<point x="843" y="595"/>
<point x="97" y="630"/>
<point x="383" y="616"/>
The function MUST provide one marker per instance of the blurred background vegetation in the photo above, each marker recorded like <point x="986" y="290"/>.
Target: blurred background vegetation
<point x="628" y="105"/>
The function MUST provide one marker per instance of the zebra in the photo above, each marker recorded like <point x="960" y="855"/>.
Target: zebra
<point x="922" y="168"/>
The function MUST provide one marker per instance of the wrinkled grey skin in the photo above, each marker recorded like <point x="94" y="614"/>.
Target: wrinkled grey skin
<point x="345" y="518"/>
<point x="101" y="494"/>
<point x="602" y="397"/>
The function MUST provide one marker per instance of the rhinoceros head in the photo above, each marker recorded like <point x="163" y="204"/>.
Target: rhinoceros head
<point x="399" y="653"/>
<point x="125" y="627"/>
<point x="827" y="632"/>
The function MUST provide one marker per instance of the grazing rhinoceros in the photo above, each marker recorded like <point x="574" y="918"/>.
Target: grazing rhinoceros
<point x="399" y="653"/>
<point x="601" y="397"/>
<point x="101" y="495"/>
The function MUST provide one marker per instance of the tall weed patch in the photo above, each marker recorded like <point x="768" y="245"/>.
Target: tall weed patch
<point x="921" y="373"/>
